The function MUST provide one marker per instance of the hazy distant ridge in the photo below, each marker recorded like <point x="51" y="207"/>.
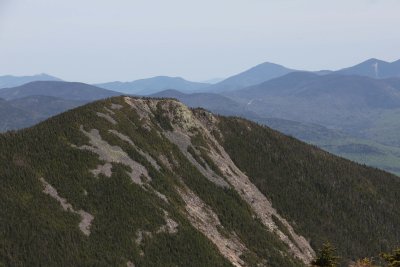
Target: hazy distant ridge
<point x="12" y="81"/>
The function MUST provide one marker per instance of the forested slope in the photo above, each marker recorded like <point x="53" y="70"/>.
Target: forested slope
<point x="149" y="182"/>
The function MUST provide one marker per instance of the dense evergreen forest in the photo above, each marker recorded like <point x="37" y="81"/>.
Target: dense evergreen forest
<point x="327" y="198"/>
<point x="324" y="198"/>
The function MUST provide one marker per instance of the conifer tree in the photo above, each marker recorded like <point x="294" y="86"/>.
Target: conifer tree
<point x="363" y="263"/>
<point x="326" y="257"/>
<point x="392" y="259"/>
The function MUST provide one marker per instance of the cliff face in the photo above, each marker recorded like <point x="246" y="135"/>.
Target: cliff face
<point x="146" y="182"/>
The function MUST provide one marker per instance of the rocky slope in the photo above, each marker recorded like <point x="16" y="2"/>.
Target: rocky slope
<point x="149" y="182"/>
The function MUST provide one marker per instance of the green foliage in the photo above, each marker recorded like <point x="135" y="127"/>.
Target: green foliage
<point x="366" y="262"/>
<point x="326" y="257"/>
<point x="392" y="258"/>
<point x="323" y="196"/>
<point x="37" y="232"/>
<point x="199" y="160"/>
<point x="162" y="119"/>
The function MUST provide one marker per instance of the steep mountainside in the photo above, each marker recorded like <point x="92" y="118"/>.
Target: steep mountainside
<point x="361" y="150"/>
<point x="315" y="190"/>
<point x="374" y="68"/>
<point x="149" y="182"/>
<point x="258" y="74"/>
<point x="64" y="90"/>
<point x="153" y="85"/>
<point x="13" y="81"/>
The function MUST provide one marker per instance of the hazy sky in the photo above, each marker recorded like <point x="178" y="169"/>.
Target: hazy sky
<point x="105" y="40"/>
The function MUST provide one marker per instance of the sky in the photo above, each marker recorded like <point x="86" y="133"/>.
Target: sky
<point x="101" y="40"/>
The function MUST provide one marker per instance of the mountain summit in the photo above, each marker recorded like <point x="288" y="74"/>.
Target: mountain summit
<point x="255" y="75"/>
<point x="374" y="68"/>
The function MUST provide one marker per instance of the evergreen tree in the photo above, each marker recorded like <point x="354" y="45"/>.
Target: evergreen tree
<point x="363" y="263"/>
<point x="393" y="259"/>
<point x="326" y="257"/>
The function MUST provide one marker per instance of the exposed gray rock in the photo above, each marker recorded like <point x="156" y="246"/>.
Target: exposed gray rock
<point x="116" y="106"/>
<point x="86" y="218"/>
<point x="149" y="158"/>
<point x="115" y="154"/>
<point x="182" y="140"/>
<point x="204" y="219"/>
<point x="103" y="169"/>
<point x="107" y="117"/>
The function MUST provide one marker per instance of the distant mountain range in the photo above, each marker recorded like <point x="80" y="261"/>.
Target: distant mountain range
<point x="13" y="81"/>
<point x="65" y="90"/>
<point x="353" y="116"/>
<point x="153" y="85"/>
<point x="253" y="76"/>
<point x="266" y="71"/>
<point x="344" y="102"/>
<point x="347" y="112"/>
<point x="374" y="68"/>
<point x="27" y="111"/>
<point x="28" y="104"/>
<point x="13" y="118"/>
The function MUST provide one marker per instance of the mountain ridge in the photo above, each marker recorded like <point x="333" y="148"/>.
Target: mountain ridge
<point x="152" y="85"/>
<point x="255" y="75"/>
<point x="374" y="68"/>
<point x="151" y="182"/>
<point x="333" y="92"/>
<point x="7" y="81"/>
<point x="66" y="90"/>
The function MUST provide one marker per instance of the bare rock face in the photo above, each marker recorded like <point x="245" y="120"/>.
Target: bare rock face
<point x="103" y="169"/>
<point x="107" y="117"/>
<point x="116" y="106"/>
<point x="115" y="154"/>
<point x="86" y="218"/>
<point x="140" y="151"/>
<point x="182" y="140"/>
<point x="185" y="125"/>
<point x="203" y="218"/>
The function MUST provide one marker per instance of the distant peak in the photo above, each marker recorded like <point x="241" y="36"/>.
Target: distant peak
<point x="269" y="64"/>
<point x="374" y="60"/>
